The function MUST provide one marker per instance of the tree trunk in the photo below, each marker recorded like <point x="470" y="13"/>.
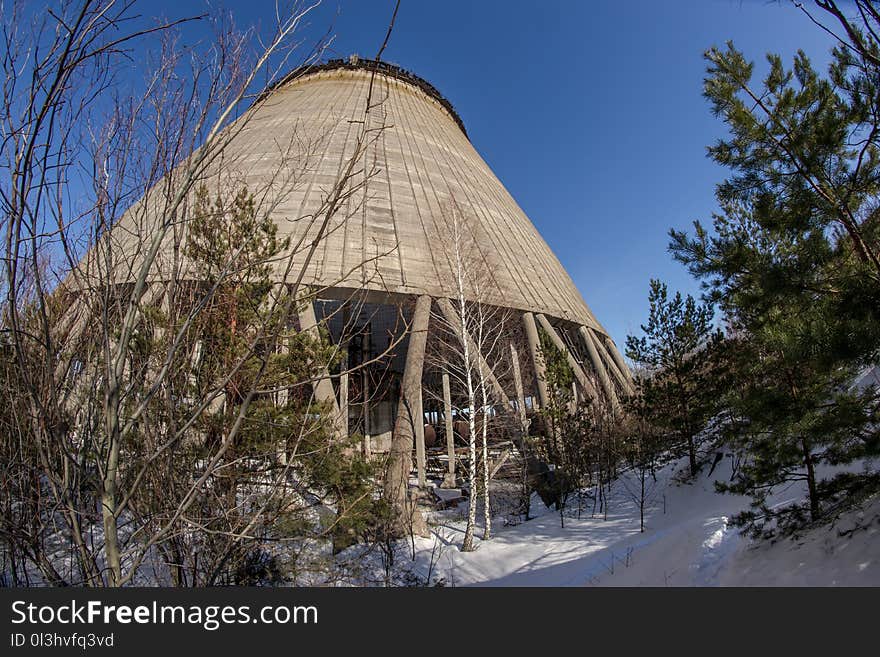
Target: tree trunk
<point x="449" y="479"/>
<point x="108" y="488"/>
<point x="692" y="455"/>
<point x="642" y="501"/>
<point x="400" y="457"/>
<point x="468" y="543"/>
<point x="487" y="517"/>
<point x="811" y="480"/>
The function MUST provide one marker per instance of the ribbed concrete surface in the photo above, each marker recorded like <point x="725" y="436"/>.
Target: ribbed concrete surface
<point x="395" y="223"/>
<point x="390" y="233"/>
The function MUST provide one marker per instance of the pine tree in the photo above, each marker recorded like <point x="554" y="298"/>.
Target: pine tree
<point x="576" y="433"/>
<point x="558" y="444"/>
<point x="675" y="353"/>
<point x="271" y="449"/>
<point x="792" y="261"/>
<point x="642" y="448"/>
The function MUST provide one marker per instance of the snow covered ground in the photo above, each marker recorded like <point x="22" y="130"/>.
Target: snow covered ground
<point x="687" y="542"/>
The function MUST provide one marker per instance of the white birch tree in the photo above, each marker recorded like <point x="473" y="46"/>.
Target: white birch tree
<point x="471" y="334"/>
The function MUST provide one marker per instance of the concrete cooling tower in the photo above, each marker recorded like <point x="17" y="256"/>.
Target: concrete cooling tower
<point x="386" y="243"/>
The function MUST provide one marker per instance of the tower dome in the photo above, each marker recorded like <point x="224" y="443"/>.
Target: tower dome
<point x="421" y="161"/>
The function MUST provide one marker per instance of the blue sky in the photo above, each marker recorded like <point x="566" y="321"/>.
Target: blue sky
<point x="589" y="112"/>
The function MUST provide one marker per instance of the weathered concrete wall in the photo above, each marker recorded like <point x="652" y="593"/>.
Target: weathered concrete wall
<point x="390" y="234"/>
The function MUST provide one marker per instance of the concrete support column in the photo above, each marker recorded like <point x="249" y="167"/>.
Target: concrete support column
<point x="598" y="365"/>
<point x="343" y="402"/>
<point x="520" y="395"/>
<point x="452" y="317"/>
<point x="283" y="346"/>
<point x="282" y="396"/>
<point x="572" y="361"/>
<point x="611" y="366"/>
<point x="323" y="387"/>
<point x="449" y="479"/>
<point x="366" y="391"/>
<point x="537" y="358"/>
<point x="624" y="371"/>
<point x="365" y="386"/>
<point x="410" y="422"/>
<point x="419" y="426"/>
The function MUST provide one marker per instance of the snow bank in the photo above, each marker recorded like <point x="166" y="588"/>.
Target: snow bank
<point x="687" y="542"/>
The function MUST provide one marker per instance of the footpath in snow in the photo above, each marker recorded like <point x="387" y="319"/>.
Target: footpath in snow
<point x="687" y="542"/>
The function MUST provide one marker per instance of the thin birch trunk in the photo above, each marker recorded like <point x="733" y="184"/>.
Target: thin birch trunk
<point x="487" y="519"/>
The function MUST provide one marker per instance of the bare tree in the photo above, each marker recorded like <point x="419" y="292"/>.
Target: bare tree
<point x="165" y="411"/>
<point x="861" y="32"/>
<point x="643" y="444"/>
<point x="471" y="335"/>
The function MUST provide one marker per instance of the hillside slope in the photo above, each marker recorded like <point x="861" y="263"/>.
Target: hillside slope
<point x="687" y="542"/>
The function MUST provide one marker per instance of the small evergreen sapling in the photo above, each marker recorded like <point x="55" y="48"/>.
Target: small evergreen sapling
<point x="675" y="355"/>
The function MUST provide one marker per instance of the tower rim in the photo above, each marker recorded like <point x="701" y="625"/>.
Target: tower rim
<point x="387" y="69"/>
